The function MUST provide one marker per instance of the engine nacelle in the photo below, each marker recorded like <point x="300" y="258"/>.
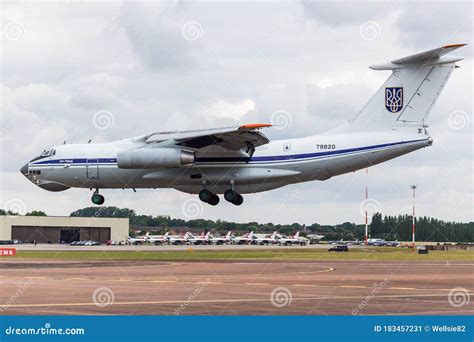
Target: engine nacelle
<point x="153" y="158"/>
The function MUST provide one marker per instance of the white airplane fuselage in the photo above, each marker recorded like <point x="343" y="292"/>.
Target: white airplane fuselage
<point x="276" y="164"/>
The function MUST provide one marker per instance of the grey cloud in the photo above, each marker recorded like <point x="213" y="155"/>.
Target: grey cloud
<point x="337" y="102"/>
<point x="428" y="25"/>
<point x="155" y="32"/>
<point x="343" y="13"/>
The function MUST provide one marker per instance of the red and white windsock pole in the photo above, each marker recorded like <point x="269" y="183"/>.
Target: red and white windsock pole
<point x="366" y="215"/>
<point x="413" y="187"/>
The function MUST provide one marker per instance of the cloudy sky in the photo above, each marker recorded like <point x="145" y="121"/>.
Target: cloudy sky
<point x="151" y="66"/>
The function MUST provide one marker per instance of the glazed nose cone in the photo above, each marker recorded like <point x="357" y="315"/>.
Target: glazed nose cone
<point x="24" y="169"/>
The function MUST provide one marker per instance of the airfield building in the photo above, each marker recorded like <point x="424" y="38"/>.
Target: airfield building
<point x="55" y="229"/>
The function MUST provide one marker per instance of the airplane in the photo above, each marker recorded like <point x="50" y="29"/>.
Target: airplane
<point x="138" y="240"/>
<point x="222" y="239"/>
<point x="376" y="242"/>
<point x="295" y="239"/>
<point x="158" y="239"/>
<point x="179" y="239"/>
<point x="244" y="239"/>
<point x="199" y="240"/>
<point x="240" y="159"/>
<point x="266" y="239"/>
<point x="356" y="242"/>
<point x="337" y="242"/>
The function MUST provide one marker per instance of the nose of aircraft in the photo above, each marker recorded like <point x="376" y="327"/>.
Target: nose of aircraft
<point x="24" y="169"/>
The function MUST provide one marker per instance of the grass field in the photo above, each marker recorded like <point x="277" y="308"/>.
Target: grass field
<point x="283" y="254"/>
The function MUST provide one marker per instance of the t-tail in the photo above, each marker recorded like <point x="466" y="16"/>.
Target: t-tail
<point x="408" y="95"/>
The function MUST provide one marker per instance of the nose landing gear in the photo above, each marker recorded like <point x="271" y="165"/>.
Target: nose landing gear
<point x="97" y="198"/>
<point x="208" y="197"/>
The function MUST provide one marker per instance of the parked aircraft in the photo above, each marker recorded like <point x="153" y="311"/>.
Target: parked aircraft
<point x="265" y="239"/>
<point x="244" y="239"/>
<point x="220" y="240"/>
<point x="138" y="240"/>
<point x="292" y="240"/>
<point x="199" y="240"/>
<point x="179" y="239"/>
<point x="158" y="239"/>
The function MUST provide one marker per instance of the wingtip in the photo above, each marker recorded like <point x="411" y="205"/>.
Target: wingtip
<point x="453" y="46"/>
<point x="255" y="126"/>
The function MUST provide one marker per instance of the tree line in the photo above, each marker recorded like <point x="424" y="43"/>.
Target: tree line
<point x="385" y="227"/>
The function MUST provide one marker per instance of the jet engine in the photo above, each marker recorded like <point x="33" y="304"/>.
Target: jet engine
<point x="153" y="158"/>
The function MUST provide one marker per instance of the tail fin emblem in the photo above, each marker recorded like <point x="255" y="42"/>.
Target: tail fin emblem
<point x="394" y="99"/>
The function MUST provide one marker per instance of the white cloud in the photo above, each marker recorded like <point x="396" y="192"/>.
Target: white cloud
<point x="223" y="109"/>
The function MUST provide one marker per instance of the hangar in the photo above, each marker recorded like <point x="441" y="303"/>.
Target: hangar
<point x="54" y="229"/>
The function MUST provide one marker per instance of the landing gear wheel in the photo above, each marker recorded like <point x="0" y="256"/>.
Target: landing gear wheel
<point x="214" y="200"/>
<point x="230" y="195"/>
<point x="98" y="199"/>
<point x="233" y="197"/>
<point x="205" y="195"/>
<point x="239" y="200"/>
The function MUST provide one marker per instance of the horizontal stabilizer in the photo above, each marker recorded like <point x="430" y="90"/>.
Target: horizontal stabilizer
<point x="430" y="57"/>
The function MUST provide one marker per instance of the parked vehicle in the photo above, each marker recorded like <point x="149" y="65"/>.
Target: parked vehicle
<point x="339" y="248"/>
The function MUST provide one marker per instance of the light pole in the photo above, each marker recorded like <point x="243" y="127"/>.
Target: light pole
<point x="366" y="215"/>
<point x="413" y="187"/>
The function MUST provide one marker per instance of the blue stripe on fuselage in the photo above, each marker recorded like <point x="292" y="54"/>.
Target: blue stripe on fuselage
<point x="303" y="155"/>
<point x="111" y="161"/>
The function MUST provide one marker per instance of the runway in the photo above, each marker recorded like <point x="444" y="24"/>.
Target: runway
<point x="362" y="287"/>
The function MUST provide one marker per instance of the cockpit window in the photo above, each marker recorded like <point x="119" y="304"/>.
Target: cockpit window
<point x="46" y="153"/>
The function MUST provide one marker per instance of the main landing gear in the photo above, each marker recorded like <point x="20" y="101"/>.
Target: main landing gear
<point x="233" y="197"/>
<point x="208" y="197"/>
<point x="97" y="198"/>
<point x="230" y="196"/>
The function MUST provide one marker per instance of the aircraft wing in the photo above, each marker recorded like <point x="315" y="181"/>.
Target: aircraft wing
<point x="231" y="139"/>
